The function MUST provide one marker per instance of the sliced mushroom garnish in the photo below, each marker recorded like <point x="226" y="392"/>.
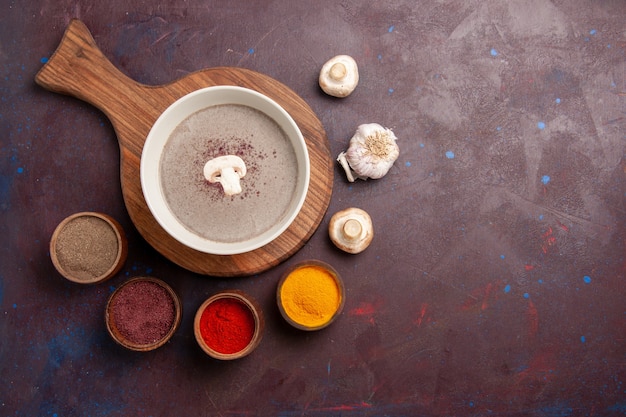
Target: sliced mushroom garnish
<point x="227" y="170"/>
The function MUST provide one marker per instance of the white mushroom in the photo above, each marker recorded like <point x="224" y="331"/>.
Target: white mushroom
<point x="339" y="76"/>
<point x="351" y="230"/>
<point x="227" y="170"/>
<point x="371" y="153"/>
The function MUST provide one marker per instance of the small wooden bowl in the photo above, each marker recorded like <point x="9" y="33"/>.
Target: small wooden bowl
<point x="290" y="317"/>
<point x="143" y="314"/>
<point x="88" y="247"/>
<point x="202" y="326"/>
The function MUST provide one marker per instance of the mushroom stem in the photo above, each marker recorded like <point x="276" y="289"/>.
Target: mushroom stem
<point x="352" y="229"/>
<point x="338" y="71"/>
<point x="230" y="181"/>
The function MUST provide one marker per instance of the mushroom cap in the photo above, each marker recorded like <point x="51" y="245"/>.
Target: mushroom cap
<point x="351" y="230"/>
<point x="339" y="76"/>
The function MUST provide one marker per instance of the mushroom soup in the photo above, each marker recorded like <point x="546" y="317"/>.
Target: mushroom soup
<point x="268" y="185"/>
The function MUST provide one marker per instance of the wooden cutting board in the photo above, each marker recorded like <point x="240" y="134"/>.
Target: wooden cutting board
<point x="78" y="68"/>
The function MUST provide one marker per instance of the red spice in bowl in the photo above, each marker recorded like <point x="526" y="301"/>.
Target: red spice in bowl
<point x="228" y="325"/>
<point x="143" y="314"/>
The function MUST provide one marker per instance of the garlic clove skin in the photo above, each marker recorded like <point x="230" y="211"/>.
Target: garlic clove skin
<point x="371" y="153"/>
<point x="346" y="167"/>
<point x="339" y="76"/>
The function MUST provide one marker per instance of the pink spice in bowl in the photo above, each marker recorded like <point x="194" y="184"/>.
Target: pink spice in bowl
<point x="143" y="314"/>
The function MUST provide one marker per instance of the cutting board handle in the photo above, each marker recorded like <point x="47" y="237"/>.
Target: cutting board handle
<point x="78" y="68"/>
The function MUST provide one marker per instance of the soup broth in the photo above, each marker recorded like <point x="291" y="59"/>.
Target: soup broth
<point x="267" y="188"/>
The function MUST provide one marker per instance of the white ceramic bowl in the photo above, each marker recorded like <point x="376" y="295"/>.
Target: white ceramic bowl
<point x="179" y="111"/>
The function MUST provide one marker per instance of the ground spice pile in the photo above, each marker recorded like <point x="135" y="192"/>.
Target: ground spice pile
<point x="143" y="312"/>
<point x="310" y="296"/>
<point x="227" y="325"/>
<point x="87" y="247"/>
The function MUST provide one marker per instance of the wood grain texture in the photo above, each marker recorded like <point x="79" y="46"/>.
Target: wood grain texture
<point x="78" y="68"/>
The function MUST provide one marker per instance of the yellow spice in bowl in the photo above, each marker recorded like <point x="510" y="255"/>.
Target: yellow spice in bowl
<point x="311" y="296"/>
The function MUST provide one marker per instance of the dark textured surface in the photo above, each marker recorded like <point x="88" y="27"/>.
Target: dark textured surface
<point x="494" y="284"/>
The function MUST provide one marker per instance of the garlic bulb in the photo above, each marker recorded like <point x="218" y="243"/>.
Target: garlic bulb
<point x="371" y="153"/>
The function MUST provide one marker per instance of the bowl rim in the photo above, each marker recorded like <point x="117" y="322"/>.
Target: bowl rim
<point x="120" y="258"/>
<point x="328" y="268"/>
<point x="259" y="324"/>
<point x="159" y="135"/>
<point x="117" y="337"/>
